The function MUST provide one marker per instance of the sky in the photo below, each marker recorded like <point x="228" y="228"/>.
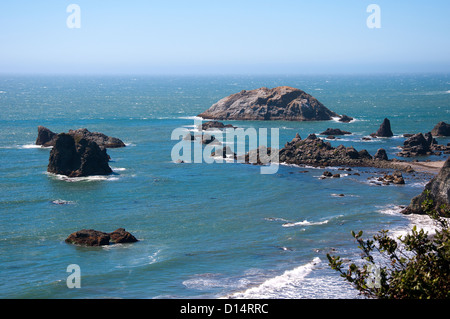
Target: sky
<point x="224" y="37"/>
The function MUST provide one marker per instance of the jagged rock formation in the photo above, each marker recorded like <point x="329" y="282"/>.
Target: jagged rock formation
<point x="316" y="152"/>
<point x="439" y="192"/>
<point x="77" y="158"/>
<point x="441" y="129"/>
<point x="47" y="138"/>
<point x="420" y="145"/>
<point x="384" y="130"/>
<point x="100" y="139"/>
<point x="263" y="104"/>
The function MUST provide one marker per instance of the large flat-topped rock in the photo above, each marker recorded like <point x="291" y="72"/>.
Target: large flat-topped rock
<point x="281" y="103"/>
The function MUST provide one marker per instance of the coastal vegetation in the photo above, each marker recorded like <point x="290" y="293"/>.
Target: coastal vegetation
<point x="414" y="266"/>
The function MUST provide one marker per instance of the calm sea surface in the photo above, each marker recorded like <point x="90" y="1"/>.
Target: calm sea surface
<point x="205" y="230"/>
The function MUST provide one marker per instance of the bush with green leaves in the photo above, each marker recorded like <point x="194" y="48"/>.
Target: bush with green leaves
<point x="414" y="266"/>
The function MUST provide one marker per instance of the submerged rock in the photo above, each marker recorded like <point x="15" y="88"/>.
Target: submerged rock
<point x="281" y="103"/>
<point x="91" y="237"/>
<point x="334" y="131"/>
<point x="346" y="119"/>
<point x="214" y="124"/>
<point x="77" y="158"/>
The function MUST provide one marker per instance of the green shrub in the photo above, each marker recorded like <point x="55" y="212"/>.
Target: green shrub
<point x="415" y="266"/>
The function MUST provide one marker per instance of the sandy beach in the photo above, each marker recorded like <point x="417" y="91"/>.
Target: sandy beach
<point x="432" y="167"/>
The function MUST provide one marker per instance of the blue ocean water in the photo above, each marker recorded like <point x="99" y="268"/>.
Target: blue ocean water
<point x="205" y="230"/>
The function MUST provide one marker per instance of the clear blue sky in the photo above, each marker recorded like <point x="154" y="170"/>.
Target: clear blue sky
<point x="224" y="36"/>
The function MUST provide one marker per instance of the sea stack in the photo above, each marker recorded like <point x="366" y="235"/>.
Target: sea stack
<point x="45" y="137"/>
<point x="282" y="103"/>
<point x="77" y="157"/>
<point x="384" y="130"/>
<point x="438" y="189"/>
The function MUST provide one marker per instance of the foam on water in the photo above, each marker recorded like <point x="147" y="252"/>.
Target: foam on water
<point x="94" y="178"/>
<point x="282" y="286"/>
<point x="30" y="146"/>
<point x="305" y="223"/>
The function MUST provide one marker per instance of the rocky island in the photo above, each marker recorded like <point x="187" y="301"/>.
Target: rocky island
<point x="47" y="138"/>
<point x="77" y="157"/>
<point x="282" y="103"/>
<point x="315" y="151"/>
<point x="92" y="237"/>
<point x="78" y="153"/>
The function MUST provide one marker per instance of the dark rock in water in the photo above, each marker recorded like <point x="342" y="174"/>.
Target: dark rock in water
<point x="441" y="129"/>
<point x="100" y="139"/>
<point x="263" y="104"/>
<point x="334" y="131"/>
<point x="91" y="237"/>
<point x="317" y="152"/>
<point x="214" y="124"/>
<point x="224" y="152"/>
<point x="345" y="119"/>
<point x="381" y="155"/>
<point x="418" y="145"/>
<point x="439" y="192"/>
<point x="209" y="139"/>
<point x="384" y="130"/>
<point x="122" y="236"/>
<point x="88" y="237"/>
<point x="77" y="158"/>
<point x="45" y="137"/>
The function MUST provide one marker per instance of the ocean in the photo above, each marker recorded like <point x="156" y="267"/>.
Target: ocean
<point x="204" y="230"/>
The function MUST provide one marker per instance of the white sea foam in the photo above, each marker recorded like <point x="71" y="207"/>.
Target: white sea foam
<point x="390" y="209"/>
<point x="191" y="118"/>
<point x="94" y="178"/>
<point x="209" y="280"/>
<point x="336" y="119"/>
<point x="420" y="221"/>
<point x="280" y="287"/>
<point x="29" y="146"/>
<point x="62" y="202"/>
<point x="118" y="169"/>
<point x="305" y="223"/>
